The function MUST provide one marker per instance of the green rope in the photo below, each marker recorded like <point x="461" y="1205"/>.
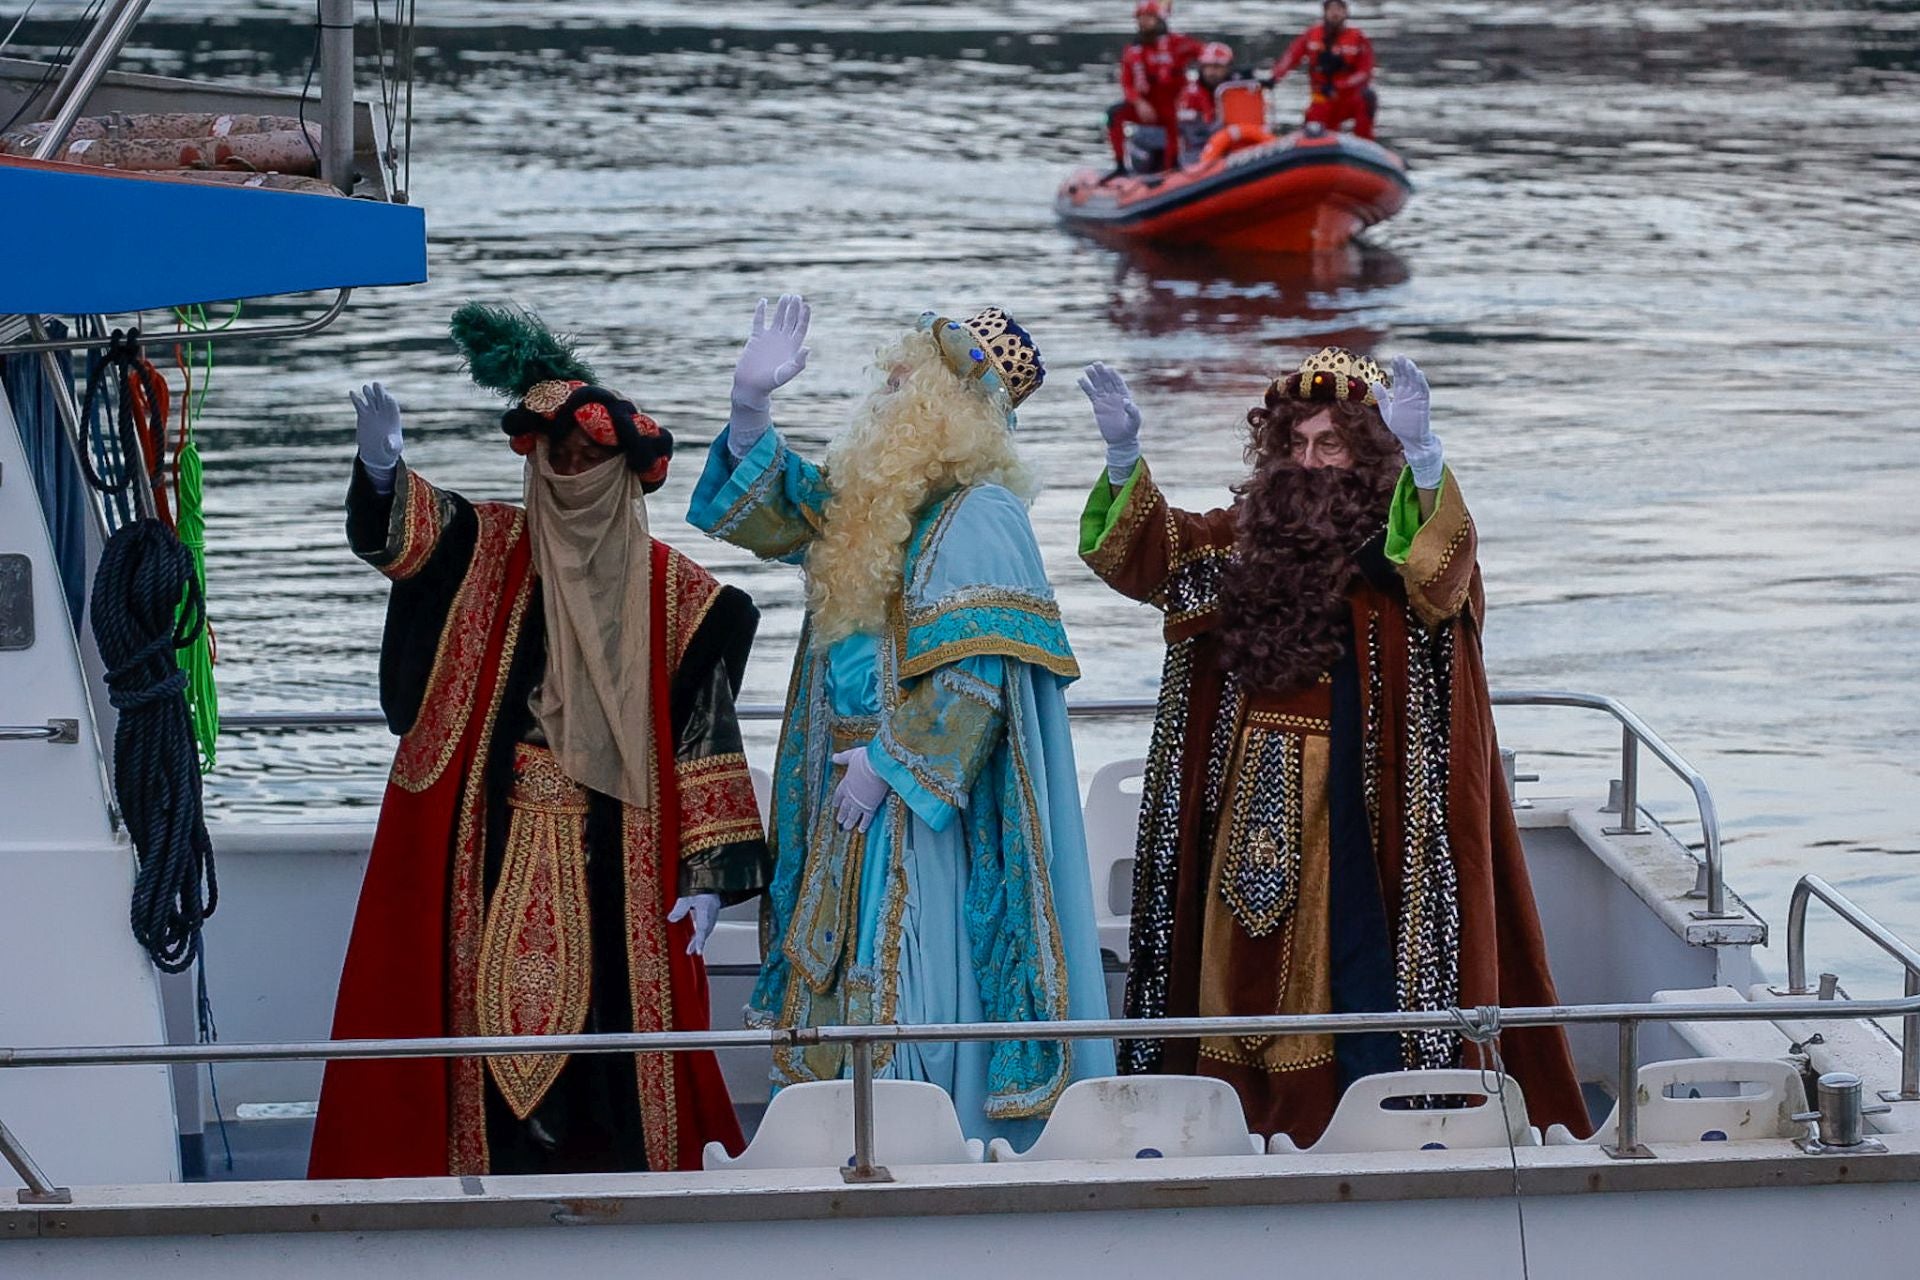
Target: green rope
<point x="196" y="660"/>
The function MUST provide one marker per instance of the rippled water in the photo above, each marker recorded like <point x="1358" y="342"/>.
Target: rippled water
<point x="1660" y="264"/>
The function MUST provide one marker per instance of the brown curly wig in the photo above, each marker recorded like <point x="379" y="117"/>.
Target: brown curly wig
<point x="1283" y="612"/>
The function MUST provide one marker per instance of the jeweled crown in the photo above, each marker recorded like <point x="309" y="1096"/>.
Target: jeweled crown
<point x="992" y="349"/>
<point x="1335" y="373"/>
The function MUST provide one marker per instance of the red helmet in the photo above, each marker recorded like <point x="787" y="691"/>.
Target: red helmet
<point x="1216" y="54"/>
<point x="1152" y="9"/>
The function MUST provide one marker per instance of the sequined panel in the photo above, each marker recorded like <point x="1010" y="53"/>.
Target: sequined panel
<point x="1370" y="730"/>
<point x="1260" y="879"/>
<point x="1428" y="952"/>
<point x="1150" y="937"/>
<point x="1193" y="588"/>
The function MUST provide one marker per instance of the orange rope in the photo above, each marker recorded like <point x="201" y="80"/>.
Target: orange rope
<point x="143" y="415"/>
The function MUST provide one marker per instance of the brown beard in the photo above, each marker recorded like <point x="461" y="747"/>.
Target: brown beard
<point x="1284" y="620"/>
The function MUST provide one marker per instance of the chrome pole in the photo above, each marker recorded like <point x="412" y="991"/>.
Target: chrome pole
<point x="85" y="78"/>
<point x="1626" y="1137"/>
<point x="81" y="57"/>
<point x="1629" y="782"/>
<point x="1797" y="937"/>
<point x="336" y="93"/>
<point x="39" y="1188"/>
<point x="1910" y="1048"/>
<point x="863" y="1168"/>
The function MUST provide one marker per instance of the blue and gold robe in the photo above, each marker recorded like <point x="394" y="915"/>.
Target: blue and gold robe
<point x="968" y="899"/>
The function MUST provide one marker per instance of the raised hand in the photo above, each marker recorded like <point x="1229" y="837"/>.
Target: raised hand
<point x="774" y="355"/>
<point x="1407" y="409"/>
<point x="377" y="426"/>
<point x="1118" y="418"/>
<point x="705" y="909"/>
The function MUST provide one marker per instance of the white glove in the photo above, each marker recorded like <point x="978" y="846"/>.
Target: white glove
<point x="1117" y="416"/>
<point x="377" y="423"/>
<point x="775" y="353"/>
<point x="1407" y="409"/>
<point x="860" y="793"/>
<point x="705" y="909"/>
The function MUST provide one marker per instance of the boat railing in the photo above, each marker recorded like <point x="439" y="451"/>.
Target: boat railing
<point x="1480" y="1025"/>
<point x="1811" y="887"/>
<point x="100" y="337"/>
<point x="1635" y="734"/>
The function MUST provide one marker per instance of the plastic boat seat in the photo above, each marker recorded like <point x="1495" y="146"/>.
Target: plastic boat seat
<point x="810" y="1126"/>
<point x="1113" y="823"/>
<point x="762" y="793"/>
<point x="1720" y="1100"/>
<point x="1140" y="1118"/>
<point x="1368" y="1120"/>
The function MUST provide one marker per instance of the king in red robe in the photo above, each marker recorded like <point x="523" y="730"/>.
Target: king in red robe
<point x="569" y="805"/>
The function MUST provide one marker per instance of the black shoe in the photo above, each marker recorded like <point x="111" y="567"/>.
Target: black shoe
<point x="1118" y="171"/>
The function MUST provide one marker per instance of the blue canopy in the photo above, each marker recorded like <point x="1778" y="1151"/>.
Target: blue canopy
<point x="89" y="241"/>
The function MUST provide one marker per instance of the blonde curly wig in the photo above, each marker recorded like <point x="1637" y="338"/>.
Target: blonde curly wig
<point x="920" y="435"/>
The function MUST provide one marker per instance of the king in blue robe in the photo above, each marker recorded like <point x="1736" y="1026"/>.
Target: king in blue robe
<point x="966" y="896"/>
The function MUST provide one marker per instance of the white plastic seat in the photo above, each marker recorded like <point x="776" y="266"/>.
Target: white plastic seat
<point x="1112" y="814"/>
<point x="810" y="1126"/>
<point x="762" y="793"/>
<point x="1363" y="1121"/>
<point x="1742" y="1098"/>
<point x="1140" y="1117"/>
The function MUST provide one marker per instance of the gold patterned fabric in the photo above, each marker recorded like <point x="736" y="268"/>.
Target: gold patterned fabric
<point x="536" y="958"/>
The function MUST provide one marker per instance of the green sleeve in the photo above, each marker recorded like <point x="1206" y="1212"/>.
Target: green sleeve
<point x="1403" y="517"/>
<point x="1104" y="506"/>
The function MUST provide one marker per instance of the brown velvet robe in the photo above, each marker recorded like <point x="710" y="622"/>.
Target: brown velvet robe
<point x="1243" y="902"/>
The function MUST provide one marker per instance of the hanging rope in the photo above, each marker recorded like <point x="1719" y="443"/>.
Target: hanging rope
<point x="140" y="622"/>
<point x="198" y="658"/>
<point x="1482" y="1027"/>
<point x="141" y="417"/>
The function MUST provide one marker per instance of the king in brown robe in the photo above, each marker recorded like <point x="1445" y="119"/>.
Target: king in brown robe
<point x="1325" y="825"/>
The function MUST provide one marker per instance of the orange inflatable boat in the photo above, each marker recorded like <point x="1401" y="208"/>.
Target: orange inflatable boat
<point x="1303" y="193"/>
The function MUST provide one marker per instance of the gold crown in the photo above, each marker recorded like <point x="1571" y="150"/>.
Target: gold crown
<point x="1335" y="373"/>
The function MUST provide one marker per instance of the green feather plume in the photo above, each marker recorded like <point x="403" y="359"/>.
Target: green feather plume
<point x="510" y="351"/>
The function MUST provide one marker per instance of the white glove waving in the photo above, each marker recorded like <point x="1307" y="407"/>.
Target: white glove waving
<point x="775" y="353"/>
<point x="1407" y="409"/>
<point x="1117" y="416"/>
<point x="377" y="425"/>
<point x="860" y="793"/>
<point x="705" y="909"/>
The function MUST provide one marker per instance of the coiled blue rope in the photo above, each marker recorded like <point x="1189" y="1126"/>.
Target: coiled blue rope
<point x="146" y="604"/>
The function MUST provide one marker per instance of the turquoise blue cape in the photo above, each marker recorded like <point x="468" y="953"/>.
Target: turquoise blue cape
<point x="968" y="899"/>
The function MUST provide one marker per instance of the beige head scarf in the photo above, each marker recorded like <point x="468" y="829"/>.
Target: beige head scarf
<point x="594" y="556"/>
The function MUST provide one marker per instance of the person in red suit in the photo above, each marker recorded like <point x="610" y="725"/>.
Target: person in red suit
<point x="1339" y="63"/>
<point x="1152" y="73"/>
<point x="1198" y="107"/>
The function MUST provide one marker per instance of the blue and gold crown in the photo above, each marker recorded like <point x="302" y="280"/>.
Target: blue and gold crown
<point x="992" y="350"/>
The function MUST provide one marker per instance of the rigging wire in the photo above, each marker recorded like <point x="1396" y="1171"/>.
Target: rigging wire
<point x="17" y="23"/>
<point x="62" y="57"/>
<point x="409" y="34"/>
<point x="396" y="79"/>
<point x="306" y="87"/>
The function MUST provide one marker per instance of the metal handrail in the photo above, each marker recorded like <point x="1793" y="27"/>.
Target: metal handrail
<point x="1482" y="1023"/>
<point x="1811" y="887"/>
<point x="194" y="337"/>
<point x="60" y="731"/>
<point x="1634" y="733"/>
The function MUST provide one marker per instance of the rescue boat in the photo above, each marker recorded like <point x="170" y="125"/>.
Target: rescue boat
<point x="1306" y="192"/>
